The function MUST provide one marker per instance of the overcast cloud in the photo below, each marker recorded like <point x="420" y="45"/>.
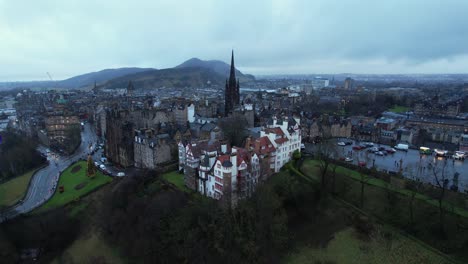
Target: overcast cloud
<point x="67" y="38"/>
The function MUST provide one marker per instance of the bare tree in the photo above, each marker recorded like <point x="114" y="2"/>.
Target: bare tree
<point x="363" y="180"/>
<point x="326" y="152"/>
<point x="441" y="181"/>
<point x="414" y="185"/>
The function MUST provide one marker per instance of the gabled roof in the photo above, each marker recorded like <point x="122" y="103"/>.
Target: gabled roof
<point x="276" y="130"/>
<point x="242" y="155"/>
<point x="281" y="140"/>
<point x="266" y="143"/>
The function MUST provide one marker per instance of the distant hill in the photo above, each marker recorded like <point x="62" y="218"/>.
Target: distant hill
<point x="172" y="77"/>
<point x="191" y="73"/>
<point x="217" y="66"/>
<point x="88" y="79"/>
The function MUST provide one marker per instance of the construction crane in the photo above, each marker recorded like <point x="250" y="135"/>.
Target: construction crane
<point x="50" y="77"/>
<point x="52" y="80"/>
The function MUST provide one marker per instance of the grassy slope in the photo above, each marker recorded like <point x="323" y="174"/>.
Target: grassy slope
<point x="310" y="168"/>
<point x="346" y="247"/>
<point x="177" y="179"/>
<point x="87" y="247"/>
<point x="69" y="180"/>
<point x="13" y="190"/>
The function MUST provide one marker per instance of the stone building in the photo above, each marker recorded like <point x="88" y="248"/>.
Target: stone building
<point x="119" y="139"/>
<point x="151" y="150"/>
<point x="326" y="127"/>
<point x="58" y="127"/>
<point x="184" y="113"/>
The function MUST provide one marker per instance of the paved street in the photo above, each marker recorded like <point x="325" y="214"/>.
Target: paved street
<point x="413" y="165"/>
<point x="44" y="181"/>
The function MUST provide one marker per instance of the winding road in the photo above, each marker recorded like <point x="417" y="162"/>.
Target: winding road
<point x="43" y="183"/>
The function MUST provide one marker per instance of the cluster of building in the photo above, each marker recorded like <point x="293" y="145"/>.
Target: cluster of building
<point x="49" y="116"/>
<point x="160" y="127"/>
<point x="150" y="135"/>
<point x="229" y="173"/>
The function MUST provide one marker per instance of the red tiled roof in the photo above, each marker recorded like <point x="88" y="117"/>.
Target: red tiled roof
<point x="242" y="155"/>
<point x="264" y="142"/>
<point x="276" y="130"/>
<point x="224" y="158"/>
<point x="281" y="140"/>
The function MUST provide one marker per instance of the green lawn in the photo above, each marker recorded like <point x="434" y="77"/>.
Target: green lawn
<point x="69" y="180"/>
<point x="310" y="169"/>
<point x="399" y="109"/>
<point x="346" y="247"/>
<point x="14" y="189"/>
<point x="177" y="179"/>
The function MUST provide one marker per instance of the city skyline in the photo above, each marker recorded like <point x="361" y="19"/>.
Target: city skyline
<point x="269" y="37"/>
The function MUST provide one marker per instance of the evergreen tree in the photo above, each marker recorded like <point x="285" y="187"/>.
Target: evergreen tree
<point x="91" y="169"/>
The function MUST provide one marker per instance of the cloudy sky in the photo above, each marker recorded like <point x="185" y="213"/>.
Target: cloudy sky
<point x="71" y="37"/>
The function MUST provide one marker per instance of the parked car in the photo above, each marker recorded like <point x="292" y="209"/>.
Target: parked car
<point x="362" y="164"/>
<point x="459" y="155"/>
<point x="348" y="159"/>
<point x="348" y="142"/>
<point x="391" y="150"/>
<point x="373" y="149"/>
<point x="341" y="143"/>
<point x="121" y="174"/>
<point x="102" y="167"/>
<point x="358" y="147"/>
<point x="379" y="153"/>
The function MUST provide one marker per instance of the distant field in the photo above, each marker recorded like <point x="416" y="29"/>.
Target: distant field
<point x="13" y="190"/>
<point x="346" y="247"/>
<point x="177" y="179"/>
<point x="399" y="109"/>
<point x="70" y="178"/>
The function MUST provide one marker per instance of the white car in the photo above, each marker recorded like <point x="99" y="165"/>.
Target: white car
<point x="348" y="159"/>
<point x="459" y="155"/>
<point x="121" y="174"/>
<point x="341" y="143"/>
<point x="102" y="167"/>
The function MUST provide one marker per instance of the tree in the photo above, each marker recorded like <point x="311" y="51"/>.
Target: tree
<point x="296" y="156"/>
<point x="326" y="152"/>
<point x="333" y="167"/>
<point x="414" y="186"/>
<point x="91" y="169"/>
<point x="234" y="129"/>
<point x="440" y="178"/>
<point x="363" y="180"/>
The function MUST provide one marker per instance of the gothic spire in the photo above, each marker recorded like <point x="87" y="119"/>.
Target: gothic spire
<point x="232" y="76"/>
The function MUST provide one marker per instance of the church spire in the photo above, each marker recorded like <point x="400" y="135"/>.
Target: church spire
<point x="232" y="76"/>
<point x="231" y="95"/>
